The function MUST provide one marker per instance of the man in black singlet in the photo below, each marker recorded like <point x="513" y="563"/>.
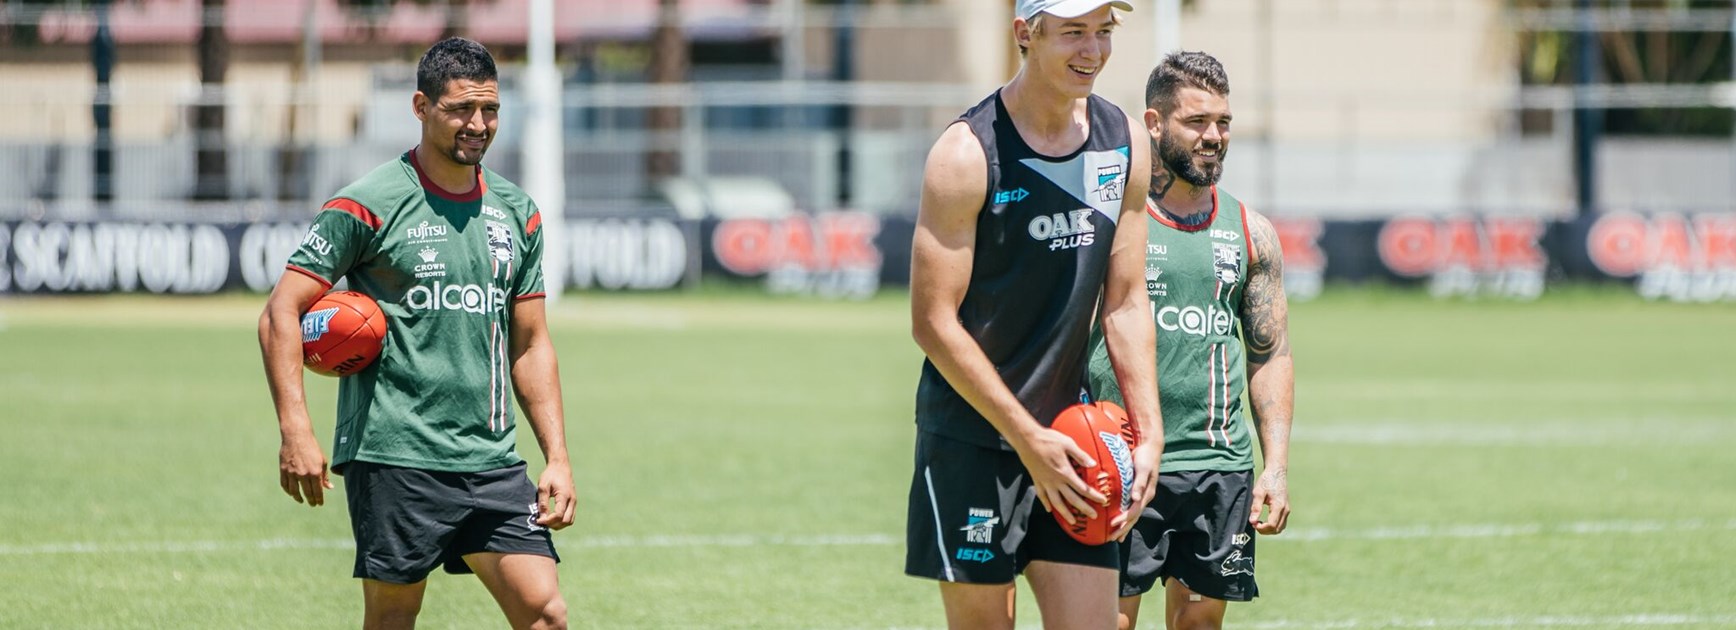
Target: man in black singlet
<point x="1017" y="246"/>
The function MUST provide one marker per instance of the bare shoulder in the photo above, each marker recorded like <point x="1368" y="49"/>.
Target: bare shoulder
<point x="1138" y="167"/>
<point x="1263" y="246"/>
<point x="956" y="176"/>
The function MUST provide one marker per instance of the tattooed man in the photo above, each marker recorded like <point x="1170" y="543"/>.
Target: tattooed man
<point x="1215" y="275"/>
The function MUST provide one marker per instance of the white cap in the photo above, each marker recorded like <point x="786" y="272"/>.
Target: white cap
<point x="1025" y="9"/>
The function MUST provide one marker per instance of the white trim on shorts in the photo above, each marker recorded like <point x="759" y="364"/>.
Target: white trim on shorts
<point x="939" y="532"/>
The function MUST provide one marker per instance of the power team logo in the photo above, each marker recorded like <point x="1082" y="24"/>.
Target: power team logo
<point x="980" y="526"/>
<point x="979" y="529"/>
<point x="1110" y="183"/>
<point x="1097" y="179"/>
<point x="1064" y="230"/>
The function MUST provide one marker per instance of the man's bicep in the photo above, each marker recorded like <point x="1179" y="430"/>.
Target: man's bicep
<point x="529" y="323"/>
<point x="955" y="183"/>
<point x="1265" y="310"/>
<point x="296" y="289"/>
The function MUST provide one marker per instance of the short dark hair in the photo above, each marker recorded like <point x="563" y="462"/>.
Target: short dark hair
<point x="1184" y="69"/>
<point x="450" y="59"/>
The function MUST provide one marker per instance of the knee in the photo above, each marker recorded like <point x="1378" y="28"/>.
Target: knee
<point x="1185" y="621"/>
<point x="553" y="615"/>
<point x="391" y="615"/>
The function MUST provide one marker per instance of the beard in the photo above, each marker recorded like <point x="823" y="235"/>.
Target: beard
<point x="1178" y="160"/>
<point x="458" y="154"/>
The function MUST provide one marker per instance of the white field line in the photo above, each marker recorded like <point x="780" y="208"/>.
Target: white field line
<point x="1581" y="432"/>
<point x="1546" y="621"/>
<point x="1410" y="532"/>
<point x="1644" y="620"/>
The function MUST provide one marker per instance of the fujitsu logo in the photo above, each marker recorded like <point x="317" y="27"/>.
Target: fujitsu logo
<point x="316" y="242"/>
<point x="427" y="231"/>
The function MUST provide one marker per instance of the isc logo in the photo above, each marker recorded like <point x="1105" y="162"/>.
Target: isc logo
<point x="1225" y="234"/>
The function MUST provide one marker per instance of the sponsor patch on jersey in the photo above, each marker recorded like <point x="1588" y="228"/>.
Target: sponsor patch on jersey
<point x="316" y="243"/>
<point x="1110" y="183"/>
<point x="1227" y="262"/>
<point x="1152" y="285"/>
<point x="1064" y="230"/>
<point x="499" y="241"/>
<point x="430" y="267"/>
<point x="426" y="232"/>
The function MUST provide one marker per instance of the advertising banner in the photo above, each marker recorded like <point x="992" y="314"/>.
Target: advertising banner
<point x="1673" y="256"/>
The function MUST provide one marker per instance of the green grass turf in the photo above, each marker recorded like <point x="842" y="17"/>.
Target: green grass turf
<point x="1454" y="463"/>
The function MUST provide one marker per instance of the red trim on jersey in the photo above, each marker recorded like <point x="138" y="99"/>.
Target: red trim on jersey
<point x="535" y="222"/>
<point x="310" y="274"/>
<point x="1245" y="238"/>
<point x="1151" y="209"/>
<point x="356" y="209"/>
<point x="430" y="186"/>
<point x="528" y="296"/>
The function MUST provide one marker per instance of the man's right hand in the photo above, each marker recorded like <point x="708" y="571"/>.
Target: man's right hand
<point x="302" y="470"/>
<point x="1049" y="456"/>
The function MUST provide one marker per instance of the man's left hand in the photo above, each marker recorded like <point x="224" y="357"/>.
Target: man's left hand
<point x="1273" y="491"/>
<point x="556" y="497"/>
<point x="1145" y="461"/>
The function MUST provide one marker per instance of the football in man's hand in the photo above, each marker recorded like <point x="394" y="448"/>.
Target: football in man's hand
<point x="1100" y="436"/>
<point x="342" y="333"/>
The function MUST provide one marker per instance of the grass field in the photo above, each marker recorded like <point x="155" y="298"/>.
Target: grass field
<point x="743" y="461"/>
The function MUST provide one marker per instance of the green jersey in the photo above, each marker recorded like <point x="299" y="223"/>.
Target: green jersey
<point x="1195" y="276"/>
<point x="445" y="270"/>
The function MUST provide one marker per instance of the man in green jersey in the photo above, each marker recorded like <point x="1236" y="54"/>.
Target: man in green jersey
<point x="1214" y="272"/>
<point x="452" y="252"/>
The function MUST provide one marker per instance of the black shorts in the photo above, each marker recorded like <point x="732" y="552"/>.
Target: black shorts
<point x="1195" y="531"/>
<point x="407" y="521"/>
<point x="974" y="518"/>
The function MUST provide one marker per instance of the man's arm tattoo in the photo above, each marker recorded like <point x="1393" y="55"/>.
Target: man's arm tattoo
<point x="1265" y="312"/>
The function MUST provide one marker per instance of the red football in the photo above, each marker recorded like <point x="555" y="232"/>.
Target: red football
<point x="1129" y="430"/>
<point x="341" y="333"/>
<point x="1101" y="438"/>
